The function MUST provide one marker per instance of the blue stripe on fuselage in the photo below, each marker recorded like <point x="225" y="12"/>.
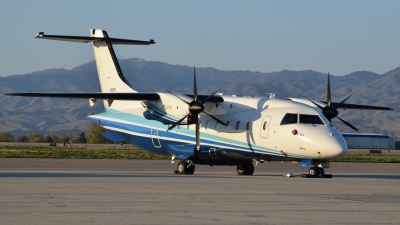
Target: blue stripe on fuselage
<point x="127" y="124"/>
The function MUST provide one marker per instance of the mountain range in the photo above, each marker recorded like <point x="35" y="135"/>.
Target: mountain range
<point x="19" y="115"/>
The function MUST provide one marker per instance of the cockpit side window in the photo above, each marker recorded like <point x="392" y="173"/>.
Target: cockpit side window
<point x="289" y="118"/>
<point x="311" y="119"/>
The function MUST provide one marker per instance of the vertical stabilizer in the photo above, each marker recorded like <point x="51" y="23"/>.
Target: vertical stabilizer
<point x="109" y="71"/>
<point x="110" y="74"/>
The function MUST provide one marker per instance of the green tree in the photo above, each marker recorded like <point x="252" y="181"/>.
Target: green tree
<point x="5" y="137"/>
<point x="55" y="138"/>
<point x="34" y="137"/>
<point x="48" y="139"/>
<point x="18" y="138"/>
<point x="63" y="138"/>
<point x="95" y="133"/>
<point x="82" y="138"/>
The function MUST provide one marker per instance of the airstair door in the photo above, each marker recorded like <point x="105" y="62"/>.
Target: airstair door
<point x="155" y="138"/>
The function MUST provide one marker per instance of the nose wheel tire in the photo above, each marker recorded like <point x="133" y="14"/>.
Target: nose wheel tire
<point x="316" y="172"/>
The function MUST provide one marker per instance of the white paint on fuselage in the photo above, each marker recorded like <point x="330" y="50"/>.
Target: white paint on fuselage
<point x="311" y="141"/>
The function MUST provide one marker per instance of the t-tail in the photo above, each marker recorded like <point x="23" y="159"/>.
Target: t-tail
<point x="111" y="77"/>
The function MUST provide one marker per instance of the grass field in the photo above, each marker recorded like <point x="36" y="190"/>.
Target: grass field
<point x="371" y="158"/>
<point x="75" y="152"/>
<point x="123" y="152"/>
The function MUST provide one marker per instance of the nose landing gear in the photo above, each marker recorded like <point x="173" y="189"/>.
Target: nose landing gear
<point x="317" y="171"/>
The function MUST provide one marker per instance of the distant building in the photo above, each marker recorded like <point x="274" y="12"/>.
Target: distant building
<point x="371" y="141"/>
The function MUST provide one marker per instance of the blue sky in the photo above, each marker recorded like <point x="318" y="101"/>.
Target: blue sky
<point x="339" y="37"/>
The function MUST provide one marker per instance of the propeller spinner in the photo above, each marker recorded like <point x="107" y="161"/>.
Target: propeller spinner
<point x="195" y="108"/>
<point x="330" y="111"/>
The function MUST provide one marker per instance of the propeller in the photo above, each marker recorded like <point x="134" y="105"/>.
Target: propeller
<point x="195" y="108"/>
<point x="330" y="111"/>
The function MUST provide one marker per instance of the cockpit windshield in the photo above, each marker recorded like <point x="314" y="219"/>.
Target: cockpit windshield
<point x="310" y="119"/>
<point x="289" y="118"/>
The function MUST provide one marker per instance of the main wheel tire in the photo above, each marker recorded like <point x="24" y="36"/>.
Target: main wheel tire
<point x="182" y="167"/>
<point x="190" y="170"/>
<point x="249" y="169"/>
<point x="241" y="170"/>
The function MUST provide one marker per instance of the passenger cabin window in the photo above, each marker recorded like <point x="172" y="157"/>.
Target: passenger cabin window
<point x="289" y="118"/>
<point x="310" y="119"/>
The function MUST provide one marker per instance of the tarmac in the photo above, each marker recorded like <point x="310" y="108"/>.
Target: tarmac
<point x="86" y="191"/>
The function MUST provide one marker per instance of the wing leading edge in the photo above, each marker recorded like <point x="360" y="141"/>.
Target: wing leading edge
<point x="355" y="106"/>
<point x="151" y="96"/>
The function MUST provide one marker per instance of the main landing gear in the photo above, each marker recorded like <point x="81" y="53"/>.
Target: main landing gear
<point x="246" y="169"/>
<point x="185" y="167"/>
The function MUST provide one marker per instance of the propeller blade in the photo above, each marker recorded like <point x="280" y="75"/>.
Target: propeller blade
<point x="348" y="124"/>
<point x="328" y="92"/>
<point x="215" y="118"/>
<point x="197" y="136"/>
<point x="314" y="103"/>
<point x="183" y="100"/>
<point x="206" y="99"/>
<point x="177" y="123"/>
<point x="341" y="103"/>
<point x="195" y="86"/>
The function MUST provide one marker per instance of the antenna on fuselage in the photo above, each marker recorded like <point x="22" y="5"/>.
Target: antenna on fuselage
<point x="272" y="95"/>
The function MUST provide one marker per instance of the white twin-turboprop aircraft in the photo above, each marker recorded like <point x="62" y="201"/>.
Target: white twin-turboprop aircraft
<point x="210" y="129"/>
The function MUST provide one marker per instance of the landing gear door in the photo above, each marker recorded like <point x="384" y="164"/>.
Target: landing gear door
<point x="155" y="138"/>
<point x="264" y="129"/>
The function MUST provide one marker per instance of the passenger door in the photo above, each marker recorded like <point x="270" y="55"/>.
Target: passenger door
<point x="264" y="129"/>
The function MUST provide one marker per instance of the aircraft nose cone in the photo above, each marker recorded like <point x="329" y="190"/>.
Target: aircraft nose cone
<point x="335" y="147"/>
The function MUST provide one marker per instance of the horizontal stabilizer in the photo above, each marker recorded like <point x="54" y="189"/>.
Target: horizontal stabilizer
<point x="82" y="39"/>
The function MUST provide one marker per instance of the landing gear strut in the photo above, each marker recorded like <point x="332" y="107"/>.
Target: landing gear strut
<point x="246" y="169"/>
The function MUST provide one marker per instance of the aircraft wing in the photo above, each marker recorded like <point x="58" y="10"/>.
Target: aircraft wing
<point x="355" y="106"/>
<point x="151" y="96"/>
